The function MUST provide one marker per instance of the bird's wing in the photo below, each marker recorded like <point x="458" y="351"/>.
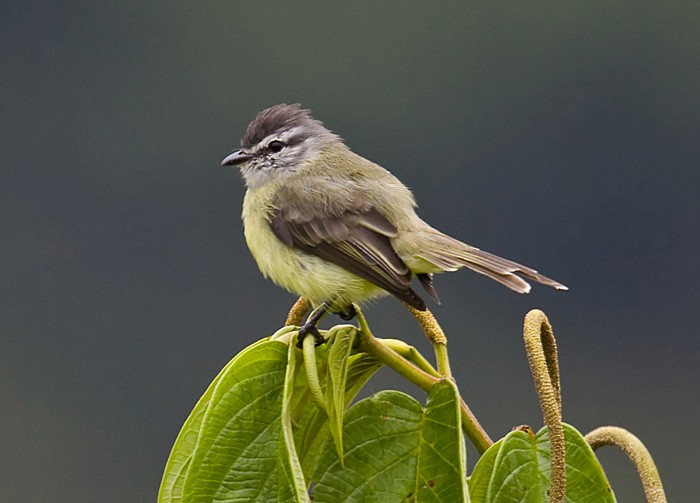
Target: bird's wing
<point x="356" y="238"/>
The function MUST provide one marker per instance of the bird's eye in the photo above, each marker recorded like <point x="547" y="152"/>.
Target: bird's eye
<point x="275" y="146"/>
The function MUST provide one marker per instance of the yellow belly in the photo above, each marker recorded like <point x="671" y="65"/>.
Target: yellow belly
<point x="294" y="270"/>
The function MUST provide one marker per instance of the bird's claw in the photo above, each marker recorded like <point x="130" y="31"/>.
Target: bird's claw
<point x="349" y="314"/>
<point x="309" y="329"/>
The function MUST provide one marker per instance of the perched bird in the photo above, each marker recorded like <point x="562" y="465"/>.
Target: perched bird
<point x="325" y="223"/>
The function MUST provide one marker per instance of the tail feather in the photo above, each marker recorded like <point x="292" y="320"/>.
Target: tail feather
<point x="450" y="255"/>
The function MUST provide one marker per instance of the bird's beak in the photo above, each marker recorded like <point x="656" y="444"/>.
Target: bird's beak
<point x="236" y="157"/>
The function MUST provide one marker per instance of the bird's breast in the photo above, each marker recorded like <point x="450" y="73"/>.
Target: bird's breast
<point x="269" y="252"/>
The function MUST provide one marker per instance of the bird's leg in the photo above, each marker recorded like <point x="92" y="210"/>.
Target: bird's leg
<point x="309" y="326"/>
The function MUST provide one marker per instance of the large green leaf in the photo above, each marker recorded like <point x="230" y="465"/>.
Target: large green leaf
<point x="180" y="456"/>
<point x="382" y="435"/>
<point x="246" y="437"/>
<point x="516" y="469"/>
<point x="229" y="449"/>
<point x="397" y="451"/>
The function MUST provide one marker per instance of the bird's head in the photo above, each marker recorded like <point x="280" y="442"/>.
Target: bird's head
<point x="279" y="141"/>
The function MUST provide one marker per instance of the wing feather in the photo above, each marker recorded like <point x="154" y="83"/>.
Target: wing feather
<point x="357" y="239"/>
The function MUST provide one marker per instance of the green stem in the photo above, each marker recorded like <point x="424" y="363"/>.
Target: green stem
<point x="392" y="359"/>
<point x="474" y="431"/>
<point x="411" y="354"/>
<point x="443" y="362"/>
<point x="309" y="349"/>
<point x="436" y="336"/>
<point x="384" y="354"/>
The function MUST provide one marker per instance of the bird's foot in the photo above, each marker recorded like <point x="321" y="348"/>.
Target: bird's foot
<point x="309" y="326"/>
<point x="349" y="314"/>
<point x="309" y="329"/>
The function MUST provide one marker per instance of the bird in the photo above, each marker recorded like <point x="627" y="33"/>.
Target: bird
<point x="333" y="227"/>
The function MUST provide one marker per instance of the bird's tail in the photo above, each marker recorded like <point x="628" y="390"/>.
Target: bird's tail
<point x="449" y="254"/>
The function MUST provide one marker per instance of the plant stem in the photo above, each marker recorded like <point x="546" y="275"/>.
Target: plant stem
<point x="377" y="349"/>
<point x="411" y="354"/>
<point x="474" y="431"/>
<point x="443" y="362"/>
<point x="392" y="359"/>
<point x="309" y="346"/>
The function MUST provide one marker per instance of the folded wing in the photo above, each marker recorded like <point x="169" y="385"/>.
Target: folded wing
<point x="358" y="239"/>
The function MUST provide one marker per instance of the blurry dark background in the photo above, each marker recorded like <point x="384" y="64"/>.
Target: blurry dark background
<point x="561" y="135"/>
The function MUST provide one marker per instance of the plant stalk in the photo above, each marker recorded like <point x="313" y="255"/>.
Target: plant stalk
<point x="375" y="348"/>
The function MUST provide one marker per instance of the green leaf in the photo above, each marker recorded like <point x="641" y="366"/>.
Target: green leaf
<point x="517" y="469"/>
<point x="382" y="433"/>
<point x="237" y="442"/>
<point x="396" y="451"/>
<point x="180" y="456"/>
<point x="479" y="480"/>
<point x="361" y="367"/>
<point x="441" y="474"/>
<point x="338" y="357"/>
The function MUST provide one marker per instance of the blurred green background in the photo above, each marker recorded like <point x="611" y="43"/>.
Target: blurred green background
<point x="564" y="135"/>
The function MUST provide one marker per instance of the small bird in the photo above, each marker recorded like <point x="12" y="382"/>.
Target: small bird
<point x="325" y="223"/>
